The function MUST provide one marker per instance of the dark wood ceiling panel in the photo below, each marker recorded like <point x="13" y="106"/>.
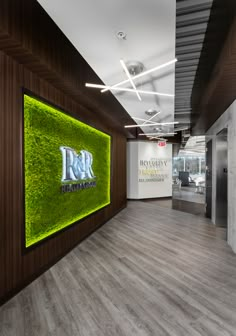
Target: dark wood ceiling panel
<point x="206" y="70"/>
<point x="214" y="86"/>
<point x="29" y="35"/>
<point x="191" y="24"/>
<point x="192" y="6"/>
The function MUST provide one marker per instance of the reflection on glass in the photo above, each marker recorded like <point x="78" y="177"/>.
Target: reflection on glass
<point x="193" y="164"/>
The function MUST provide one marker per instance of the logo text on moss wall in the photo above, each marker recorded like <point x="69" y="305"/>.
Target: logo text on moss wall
<point x="76" y="167"/>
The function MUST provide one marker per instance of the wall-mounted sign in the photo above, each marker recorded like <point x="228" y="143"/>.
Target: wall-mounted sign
<point x="154" y="170"/>
<point x="67" y="170"/>
<point x="76" y="168"/>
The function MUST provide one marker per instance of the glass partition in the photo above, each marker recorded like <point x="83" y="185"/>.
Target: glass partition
<point x="195" y="165"/>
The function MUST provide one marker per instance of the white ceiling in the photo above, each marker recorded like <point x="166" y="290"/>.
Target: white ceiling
<point x="149" y="25"/>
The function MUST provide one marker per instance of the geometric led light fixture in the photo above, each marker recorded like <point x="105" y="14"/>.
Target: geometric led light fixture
<point x="131" y="80"/>
<point x="144" y="73"/>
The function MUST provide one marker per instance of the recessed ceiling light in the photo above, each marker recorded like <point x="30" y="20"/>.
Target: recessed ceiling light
<point x="135" y="67"/>
<point x="121" y="35"/>
<point x="151" y="112"/>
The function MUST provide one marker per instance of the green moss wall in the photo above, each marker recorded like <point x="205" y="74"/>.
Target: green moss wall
<point x="47" y="209"/>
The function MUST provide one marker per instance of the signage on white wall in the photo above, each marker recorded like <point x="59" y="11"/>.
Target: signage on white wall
<point x="154" y="170"/>
<point x="149" y="170"/>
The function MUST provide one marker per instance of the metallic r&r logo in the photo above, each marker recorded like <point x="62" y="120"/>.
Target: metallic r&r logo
<point x="76" y="166"/>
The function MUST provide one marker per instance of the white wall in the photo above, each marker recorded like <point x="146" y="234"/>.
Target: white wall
<point x="227" y="120"/>
<point x="149" y="170"/>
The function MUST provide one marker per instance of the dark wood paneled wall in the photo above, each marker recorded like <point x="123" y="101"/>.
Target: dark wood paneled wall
<point x="21" y="67"/>
<point x="16" y="268"/>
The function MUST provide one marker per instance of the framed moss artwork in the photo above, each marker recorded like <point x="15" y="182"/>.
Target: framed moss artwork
<point x="66" y="170"/>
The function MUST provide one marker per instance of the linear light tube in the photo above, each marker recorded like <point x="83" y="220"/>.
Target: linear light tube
<point x="130" y="79"/>
<point x="152" y="137"/>
<point x="98" y="86"/>
<point x="182" y="129"/>
<point x="157" y="137"/>
<point x="162" y="134"/>
<point x="144" y="73"/>
<point x="151" y="122"/>
<point x="152" y="117"/>
<point x="156" y="124"/>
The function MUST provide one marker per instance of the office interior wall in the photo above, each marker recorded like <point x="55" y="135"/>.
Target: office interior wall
<point x="35" y="55"/>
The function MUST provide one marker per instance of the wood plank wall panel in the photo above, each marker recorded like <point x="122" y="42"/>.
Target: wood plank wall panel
<point x="17" y="269"/>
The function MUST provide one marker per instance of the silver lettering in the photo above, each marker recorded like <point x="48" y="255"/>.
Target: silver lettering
<point x="75" y="166"/>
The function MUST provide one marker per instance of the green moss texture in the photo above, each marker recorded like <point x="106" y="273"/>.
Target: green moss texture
<point x="47" y="209"/>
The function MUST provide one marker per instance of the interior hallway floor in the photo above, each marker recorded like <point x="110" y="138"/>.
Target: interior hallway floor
<point x="179" y="204"/>
<point x="189" y="194"/>
<point x="148" y="271"/>
<point x="186" y="199"/>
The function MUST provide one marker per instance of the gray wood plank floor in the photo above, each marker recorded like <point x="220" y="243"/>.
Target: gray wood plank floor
<point x="148" y="271"/>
